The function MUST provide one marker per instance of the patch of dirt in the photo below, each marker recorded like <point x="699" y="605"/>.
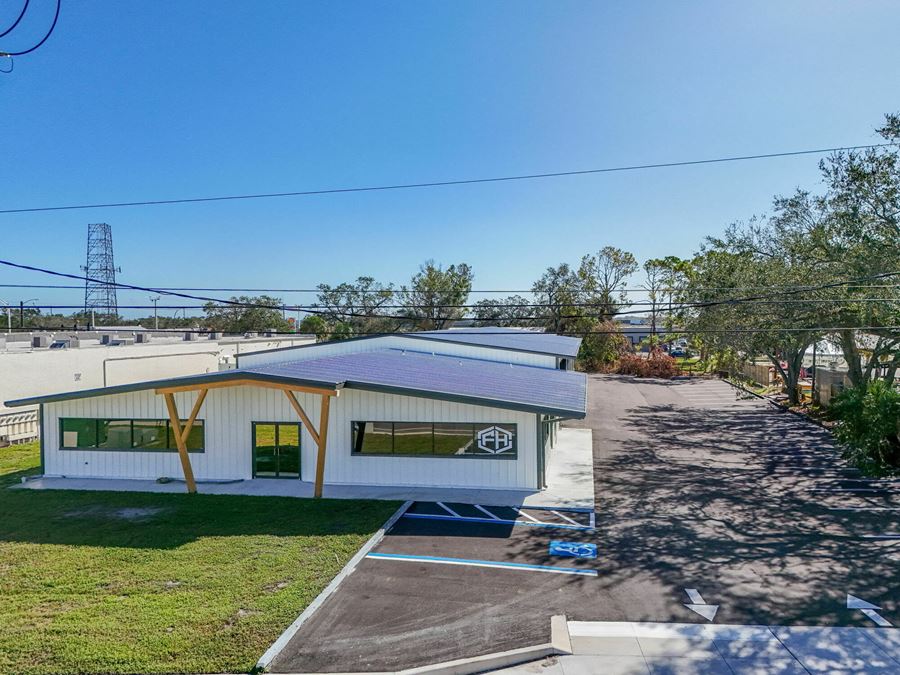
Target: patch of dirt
<point x="272" y="588"/>
<point x="131" y="513"/>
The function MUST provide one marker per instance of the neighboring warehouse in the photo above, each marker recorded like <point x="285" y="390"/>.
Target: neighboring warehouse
<point x="462" y="408"/>
<point x="32" y="364"/>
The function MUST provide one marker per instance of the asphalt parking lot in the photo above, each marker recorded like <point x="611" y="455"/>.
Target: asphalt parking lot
<point x="698" y="488"/>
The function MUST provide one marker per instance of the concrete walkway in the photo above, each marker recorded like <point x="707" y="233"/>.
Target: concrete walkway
<point x="620" y="648"/>
<point x="570" y="481"/>
<point x="613" y="648"/>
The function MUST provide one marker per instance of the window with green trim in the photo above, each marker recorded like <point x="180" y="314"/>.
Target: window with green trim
<point x="87" y="433"/>
<point x="434" y="439"/>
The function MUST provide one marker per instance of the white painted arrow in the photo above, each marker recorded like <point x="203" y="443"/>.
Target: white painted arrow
<point x="696" y="604"/>
<point x="868" y="609"/>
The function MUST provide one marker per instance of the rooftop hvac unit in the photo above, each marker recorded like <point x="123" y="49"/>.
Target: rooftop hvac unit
<point x="190" y="337"/>
<point x="40" y="340"/>
<point x="142" y="338"/>
<point x="215" y="335"/>
<point x="106" y="338"/>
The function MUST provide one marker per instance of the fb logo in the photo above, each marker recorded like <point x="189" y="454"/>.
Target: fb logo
<point x="495" y="440"/>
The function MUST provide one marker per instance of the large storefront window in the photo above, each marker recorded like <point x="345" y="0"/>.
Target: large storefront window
<point x="438" y="439"/>
<point x="83" y="433"/>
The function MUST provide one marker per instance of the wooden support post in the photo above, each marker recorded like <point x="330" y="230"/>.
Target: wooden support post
<point x="181" y="437"/>
<point x="295" y="404"/>
<point x="323" y="439"/>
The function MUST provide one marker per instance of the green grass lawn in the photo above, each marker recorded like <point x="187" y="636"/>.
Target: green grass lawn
<point x="103" y="582"/>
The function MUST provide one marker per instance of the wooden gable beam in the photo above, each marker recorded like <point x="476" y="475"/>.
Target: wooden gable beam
<point x="248" y="382"/>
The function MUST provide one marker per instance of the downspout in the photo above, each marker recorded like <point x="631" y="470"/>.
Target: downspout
<point x="41" y="432"/>
<point x="540" y="451"/>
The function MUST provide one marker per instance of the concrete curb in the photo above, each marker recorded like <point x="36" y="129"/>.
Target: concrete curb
<point x="275" y="649"/>
<point x="779" y="407"/>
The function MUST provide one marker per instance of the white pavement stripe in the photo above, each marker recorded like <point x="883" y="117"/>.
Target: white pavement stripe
<point x="448" y="510"/>
<point x="877" y="618"/>
<point x="525" y="515"/>
<point x="890" y="535"/>
<point x="694" y="595"/>
<point x="485" y="511"/>
<point x="864" y="508"/>
<point x="566" y="518"/>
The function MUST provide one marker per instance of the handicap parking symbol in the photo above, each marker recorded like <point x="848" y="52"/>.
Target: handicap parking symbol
<point x="573" y="549"/>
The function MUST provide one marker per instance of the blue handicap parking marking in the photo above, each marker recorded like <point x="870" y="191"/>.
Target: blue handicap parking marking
<point x="573" y="549"/>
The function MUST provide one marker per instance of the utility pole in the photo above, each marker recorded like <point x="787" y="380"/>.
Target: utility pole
<point x="155" y="315"/>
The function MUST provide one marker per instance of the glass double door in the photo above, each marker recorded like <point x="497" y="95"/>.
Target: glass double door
<point x="276" y="450"/>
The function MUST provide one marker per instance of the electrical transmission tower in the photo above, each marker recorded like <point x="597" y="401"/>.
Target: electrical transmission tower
<point x="100" y="270"/>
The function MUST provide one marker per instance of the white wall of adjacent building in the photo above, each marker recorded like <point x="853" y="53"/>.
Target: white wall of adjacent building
<point x="228" y="414"/>
<point x="36" y="372"/>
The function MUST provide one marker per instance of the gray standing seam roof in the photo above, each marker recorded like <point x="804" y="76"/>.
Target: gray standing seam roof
<point x="507" y="338"/>
<point x="558" y="392"/>
<point x="465" y="380"/>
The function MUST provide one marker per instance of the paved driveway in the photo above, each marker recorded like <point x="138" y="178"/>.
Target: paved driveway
<point x="697" y="488"/>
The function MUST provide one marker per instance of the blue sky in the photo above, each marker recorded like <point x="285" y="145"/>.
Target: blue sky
<point x="144" y="100"/>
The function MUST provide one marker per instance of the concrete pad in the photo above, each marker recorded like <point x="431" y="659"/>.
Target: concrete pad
<point x="825" y="649"/>
<point x="887" y="639"/>
<point x="752" y="649"/>
<point x="714" y="665"/>
<point x="570" y="472"/>
<point x="766" y="666"/>
<point x="604" y="665"/>
<point x="607" y="646"/>
<point x="570" y="483"/>
<point x="678" y="647"/>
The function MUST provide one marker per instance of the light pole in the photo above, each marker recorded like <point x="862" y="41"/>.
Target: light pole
<point x="154" y="300"/>
<point x="22" y="304"/>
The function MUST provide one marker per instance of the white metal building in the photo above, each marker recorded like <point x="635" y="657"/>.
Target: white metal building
<point x="458" y="408"/>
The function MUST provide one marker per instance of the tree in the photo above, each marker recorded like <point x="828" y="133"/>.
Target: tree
<point x="770" y="253"/>
<point x="655" y="273"/>
<point x="859" y="238"/>
<point x="602" y="278"/>
<point x="435" y="297"/>
<point x="251" y="314"/>
<point x="557" y="296"/>
<point x="357" y="308"/>
<point x="316" y="325"/>
<point x="513" y="311"/>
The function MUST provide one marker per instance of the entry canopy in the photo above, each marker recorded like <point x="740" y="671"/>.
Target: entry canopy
<point x="488" y="383"/>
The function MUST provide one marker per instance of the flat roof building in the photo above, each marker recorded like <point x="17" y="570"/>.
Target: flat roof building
<point x="457" y="408"/>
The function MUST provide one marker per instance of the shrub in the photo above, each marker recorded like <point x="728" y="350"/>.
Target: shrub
<point x="868" y="423"/>
<point x="601" y="347"/>
<point x="657" y="364"/>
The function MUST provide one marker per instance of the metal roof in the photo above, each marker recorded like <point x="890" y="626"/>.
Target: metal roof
<point x="516" y="339"/>
<point x="464" y="380"/>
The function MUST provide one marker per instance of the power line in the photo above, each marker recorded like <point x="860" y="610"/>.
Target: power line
<point x="396" y="291"/>
<point x="18" y="19"/>
<point x="445" y="183"/>
<point x="43" y="39"/>
<point x="237" y="303"/>
<point x="574" y="333"/>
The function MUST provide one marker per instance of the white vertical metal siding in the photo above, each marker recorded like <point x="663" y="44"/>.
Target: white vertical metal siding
<point x="228" y="413"/>
<point x="396" y="342"/>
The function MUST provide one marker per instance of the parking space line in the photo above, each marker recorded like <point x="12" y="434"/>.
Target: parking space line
<point x="483" y="563"/>
<point x="484" y="510"/>
<point x="864" y="508"/>
<point x="890" y="535"/>
<point x="497" y="521"/>
<point x="448" y="509"/>
<point x="566" y="518"/>
<point x="534" y="520"/>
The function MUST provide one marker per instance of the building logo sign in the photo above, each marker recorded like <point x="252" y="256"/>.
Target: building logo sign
<point x="494" y="440"/>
